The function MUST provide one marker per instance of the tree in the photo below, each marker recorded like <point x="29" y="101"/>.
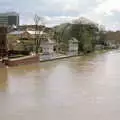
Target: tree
<point x="38" y="20"/>
<point x="84" y="31"/>
<point x="86" y="35"/>
<point x="61" y="35"/>
<point x="102" y="35"/>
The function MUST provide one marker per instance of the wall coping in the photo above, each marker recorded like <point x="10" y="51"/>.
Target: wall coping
<point x="21" y="58"/>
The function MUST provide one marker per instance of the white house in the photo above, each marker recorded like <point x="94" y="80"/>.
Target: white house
<point x="47" y="46"/>
<point x="73" y="46"/>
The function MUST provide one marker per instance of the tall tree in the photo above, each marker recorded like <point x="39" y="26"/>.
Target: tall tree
<point x="38" y="21"/>
<point x="102" y="35"/>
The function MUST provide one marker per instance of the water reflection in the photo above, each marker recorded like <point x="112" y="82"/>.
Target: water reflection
<point x="84" y="88"/>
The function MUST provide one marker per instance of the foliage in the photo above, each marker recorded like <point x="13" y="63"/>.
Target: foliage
<point x="84" y="33"/>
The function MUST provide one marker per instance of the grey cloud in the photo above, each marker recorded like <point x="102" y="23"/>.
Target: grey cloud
<point x="54" y="8"/>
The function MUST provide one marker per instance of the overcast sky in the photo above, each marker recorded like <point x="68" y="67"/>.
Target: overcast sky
<point x="106" y="12"/>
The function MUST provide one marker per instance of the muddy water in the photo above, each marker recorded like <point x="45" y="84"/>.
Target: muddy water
<point x="81" y="88"/>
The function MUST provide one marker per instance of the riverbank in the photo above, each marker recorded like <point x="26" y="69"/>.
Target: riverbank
<point x="43" y="58"/>
<point x="21" y="61"/>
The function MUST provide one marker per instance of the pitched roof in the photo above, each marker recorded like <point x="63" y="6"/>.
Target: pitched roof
<point x="36" y="32"/>
<point x="73" y="40"/>
<point x="30" y="32"/>
<point x="50" y="41"/>
<point x="16" y="32"/>
<point x="47" y="40"/>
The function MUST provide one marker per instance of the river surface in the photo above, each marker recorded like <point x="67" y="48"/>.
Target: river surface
<point x="80" y="88"/>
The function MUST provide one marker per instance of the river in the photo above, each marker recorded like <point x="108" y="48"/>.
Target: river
<point x="80" y="88"/>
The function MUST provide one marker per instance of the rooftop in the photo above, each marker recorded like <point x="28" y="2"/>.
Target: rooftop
<point x="73" y="40"/>
<point x="46" y="41"/>
<point x="8" y="13"/>
<point x="30" y="32"/>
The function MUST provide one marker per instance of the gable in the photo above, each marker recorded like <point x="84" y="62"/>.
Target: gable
<point x="26" y="35"/>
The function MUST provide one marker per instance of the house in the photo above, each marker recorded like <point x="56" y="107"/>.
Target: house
<point x="113" y="39"/>
<point x="47" y="46"/>
<point x="112" y="44"/>
<point x="27" y="34"/>
<point x="30" y="27"/>
<point x="73" y="46"/>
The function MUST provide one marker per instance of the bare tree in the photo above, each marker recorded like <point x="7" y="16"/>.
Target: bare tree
<point x="38" y="21"/>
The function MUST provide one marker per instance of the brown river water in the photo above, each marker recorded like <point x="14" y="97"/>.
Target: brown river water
<point x="79" y="88"/>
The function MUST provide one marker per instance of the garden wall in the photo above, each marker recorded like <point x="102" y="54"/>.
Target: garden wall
<point x="22" y="61"/>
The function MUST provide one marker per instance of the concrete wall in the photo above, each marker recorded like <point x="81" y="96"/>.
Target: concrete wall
<point x="23" y="61"/>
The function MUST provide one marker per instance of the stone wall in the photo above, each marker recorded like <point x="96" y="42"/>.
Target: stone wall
<point x="22" y="61"/>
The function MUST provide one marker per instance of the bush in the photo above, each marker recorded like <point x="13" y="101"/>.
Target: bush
<point x="13" y="52"/>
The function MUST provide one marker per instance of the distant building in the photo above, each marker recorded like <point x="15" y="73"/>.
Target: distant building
<point x="10" y="19"/>
<point x="112" y="39"/>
